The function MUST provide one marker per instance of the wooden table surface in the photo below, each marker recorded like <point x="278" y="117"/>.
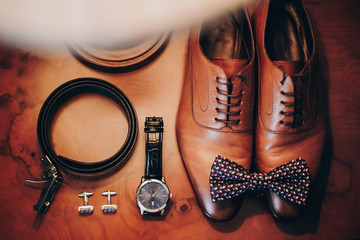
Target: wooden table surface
<point x="91" y="127"/>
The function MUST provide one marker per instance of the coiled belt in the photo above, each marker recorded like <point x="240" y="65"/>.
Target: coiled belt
<point x="51" y="160"/>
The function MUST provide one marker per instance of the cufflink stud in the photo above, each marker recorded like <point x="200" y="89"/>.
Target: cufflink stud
<point x="109" y="208"/>
<point x="85" y="209"/>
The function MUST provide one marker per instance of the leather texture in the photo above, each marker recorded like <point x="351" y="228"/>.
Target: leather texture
<point x="215" y="115"/>
<point x="119" y="58"/>
<point x="153" y="153"/>
<point x="71" y="89"/>
<point x="290" y="121"/>
<point x="52" y="160"/>
<point x="53" y="182"/>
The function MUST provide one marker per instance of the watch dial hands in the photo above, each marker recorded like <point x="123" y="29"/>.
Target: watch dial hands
<point x="153" y="195"/>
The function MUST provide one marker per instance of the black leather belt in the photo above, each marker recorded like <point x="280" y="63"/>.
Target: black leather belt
<point x="51" y="160"/>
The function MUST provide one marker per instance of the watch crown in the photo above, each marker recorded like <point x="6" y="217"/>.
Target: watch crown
<point x="170" y="195"/>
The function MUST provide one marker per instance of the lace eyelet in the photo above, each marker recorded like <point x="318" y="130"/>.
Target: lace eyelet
<point x="281" y="122"/>
<point x="282" y="112"/>
<point x="225" y="107"/>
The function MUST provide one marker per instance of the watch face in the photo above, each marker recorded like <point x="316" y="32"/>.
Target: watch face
<point x="152" y="195"/>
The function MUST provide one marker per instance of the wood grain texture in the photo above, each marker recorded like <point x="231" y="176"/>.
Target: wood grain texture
<point x="89" y="127"/>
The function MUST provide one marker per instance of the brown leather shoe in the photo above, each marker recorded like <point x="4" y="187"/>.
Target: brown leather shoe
<point x="290" y="121"/>
<point x="215" y="115"/>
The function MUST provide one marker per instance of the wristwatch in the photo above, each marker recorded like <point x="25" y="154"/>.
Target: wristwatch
<point x="152" y="194"/>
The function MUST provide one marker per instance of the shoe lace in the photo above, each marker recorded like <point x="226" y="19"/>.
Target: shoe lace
<point x="295" y="108"/>
<point x="229" y="103"/>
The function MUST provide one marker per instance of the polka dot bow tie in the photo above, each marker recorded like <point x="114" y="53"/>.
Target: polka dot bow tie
<point x="229" y="179"/>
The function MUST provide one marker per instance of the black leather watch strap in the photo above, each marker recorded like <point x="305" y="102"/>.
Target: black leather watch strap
<point x="154" y="137"/>
<point x="46" y="115"/>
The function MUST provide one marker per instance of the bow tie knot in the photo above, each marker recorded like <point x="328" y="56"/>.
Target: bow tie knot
<point x="258" y="181"/>
<point x="229" y="179"/>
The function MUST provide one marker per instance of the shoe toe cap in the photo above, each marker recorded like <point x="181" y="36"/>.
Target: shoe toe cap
<point x="284" y="210"/>
<point x="222" y="211"/>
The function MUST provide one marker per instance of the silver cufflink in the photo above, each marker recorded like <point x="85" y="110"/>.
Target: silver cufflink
<point x="109" y="208"/>
<point x="85" y="208"/>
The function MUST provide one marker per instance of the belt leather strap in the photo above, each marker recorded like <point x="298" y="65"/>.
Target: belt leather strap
<point x="154" y="138"/>
<point x="51" y="160"/>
